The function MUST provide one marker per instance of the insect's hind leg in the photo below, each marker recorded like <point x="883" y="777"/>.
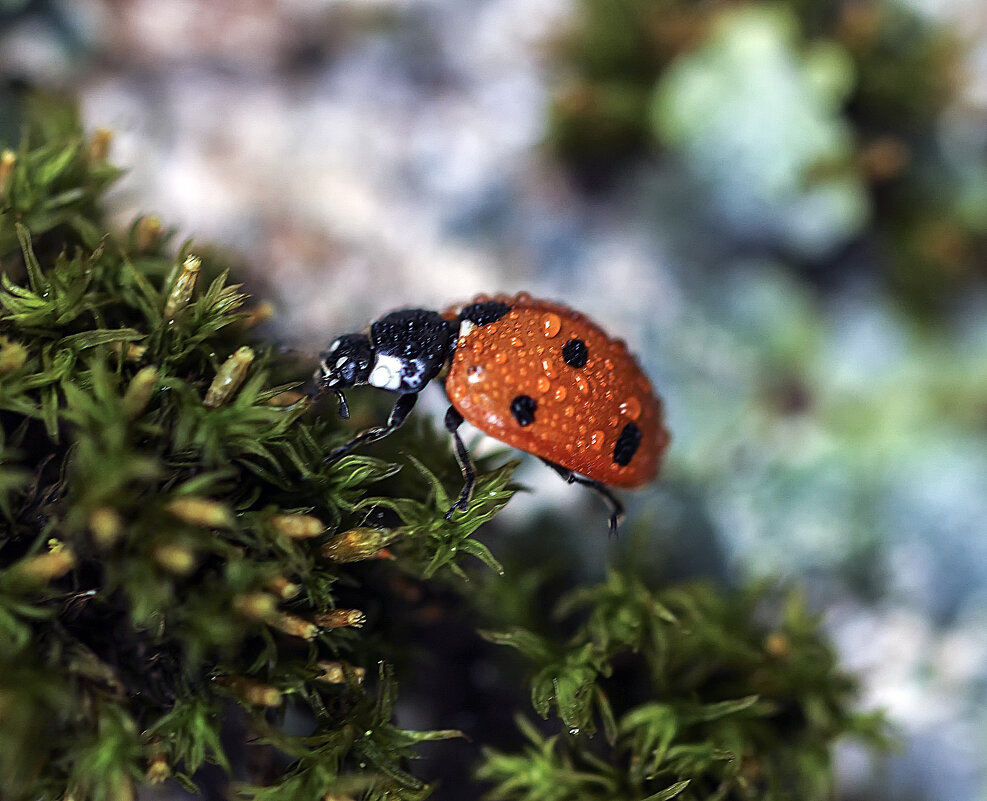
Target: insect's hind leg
<point x="402" y="407"/>
<point x="452" y="423"/>
<point x="616" y="507"/>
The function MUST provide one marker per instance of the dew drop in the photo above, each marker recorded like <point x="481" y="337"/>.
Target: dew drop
<point x="631" y="408"/>
<point x="517" y="342"/>
<point x="543" y="384"/>
<point x="596" y="440"/>
<point x="614" y="421"/>
<point x="573" y="731"/>
<point x="500" y="357"/>
<point x="551" y="324"/>
<point x="560" y="393"/>
<point x="608" y="364"/>
<point x="581" y="383"/>
<point x="547" y="368"/>
<point x="569" y="411"/>
<point x="580" y="444"/>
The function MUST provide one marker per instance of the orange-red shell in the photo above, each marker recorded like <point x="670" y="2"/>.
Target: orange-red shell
<point x="580" y="411"/>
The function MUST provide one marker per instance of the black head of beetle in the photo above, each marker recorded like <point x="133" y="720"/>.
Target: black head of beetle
<point x="347" y="363"/>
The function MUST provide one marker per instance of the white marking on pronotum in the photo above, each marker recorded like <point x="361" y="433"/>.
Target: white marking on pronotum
<point x="341" y="361"/>
<point x="465" y="328"/>
<point x="333" y="346"/>
<point x="387" y="372"/>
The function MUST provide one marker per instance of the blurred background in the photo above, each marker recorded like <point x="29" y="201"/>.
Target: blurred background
<point x="781" y="206"/>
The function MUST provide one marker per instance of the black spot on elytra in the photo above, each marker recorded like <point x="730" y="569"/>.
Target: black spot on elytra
<point x="627" y="444"/>
<point x="483" y="313"/>
<point x="523" y="408"/>
<point x="575" y="353"/>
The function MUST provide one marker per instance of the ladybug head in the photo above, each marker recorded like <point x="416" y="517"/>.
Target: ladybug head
<point x="347" y="363"/>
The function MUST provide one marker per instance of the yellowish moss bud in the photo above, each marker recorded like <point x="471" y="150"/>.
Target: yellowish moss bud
<point x="175" y="558"/>
<point x="331" y="796"/>
<point x="183" y="288"/>
<point x="148" y="233"/>
<point x="287" y="398"/>
<point x="99" y="145"/>
<point x="105" y="525"/>
<point x="340" y="618"/>
<point x="298" y="527"/>
<point x="358" y="544"/>
<point x="47" y="566"/>
<point x="139" y="392"/>
<point x="12" y="356"/>
<point x="128" y="351"/>
<point x="229" y="377"/>
<point x="7" y="161"/>
<point x="201" y="512"/>
<point x="296" y="626"/>
<point x="777" y="645"/>
<point x="284" y="589"/>
<point x="258" y="314"/>
<point x="257" y="606"/>
<point x="335" y="672"/>
<point x="158" y="769"/>
<point x="253" y="692"/>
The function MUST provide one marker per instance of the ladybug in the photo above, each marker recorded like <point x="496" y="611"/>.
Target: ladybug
<point x="531" y="373"/>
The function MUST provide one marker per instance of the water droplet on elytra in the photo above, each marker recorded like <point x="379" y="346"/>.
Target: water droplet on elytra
<point x="631" y="408"/>
<point x="551" y="324"/>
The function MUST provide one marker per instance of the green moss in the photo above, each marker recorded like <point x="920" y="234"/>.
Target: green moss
<point x="699" y="695"/>
<point x="177" y="560"/>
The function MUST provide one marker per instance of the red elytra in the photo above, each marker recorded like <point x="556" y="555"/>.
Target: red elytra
<point x="590" y="408"/>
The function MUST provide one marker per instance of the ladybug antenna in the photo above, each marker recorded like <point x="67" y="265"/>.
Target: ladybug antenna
<point x="344" y="409"/>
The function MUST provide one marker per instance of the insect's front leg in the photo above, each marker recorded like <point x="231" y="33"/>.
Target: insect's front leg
<point x="402" y="407"/>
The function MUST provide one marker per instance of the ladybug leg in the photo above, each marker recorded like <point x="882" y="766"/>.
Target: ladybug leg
<point x="402" y="407"/>
<point x="616" y="507"/>
<point x="452" y="422"/>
